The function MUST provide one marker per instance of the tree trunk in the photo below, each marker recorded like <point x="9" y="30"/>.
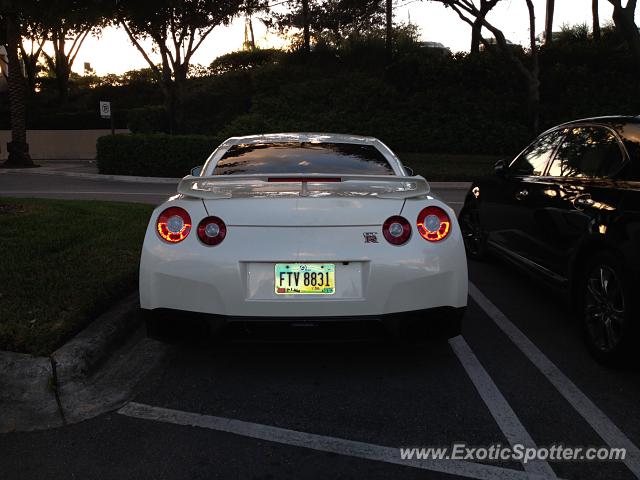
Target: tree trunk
<point x="389" y="34"/>
<point x="306" y="47"/>
<point x="548" y="24"/>
<point x="173" y="89"/>
<point x="253" y="38"/>
<point x="533" y="104"/>
<point x="625" y="24"/>
<point x="476" y="34"/>
<point x="62" y="69"/>
<point x="596" y="20"/>
<point x="18" y="148"/>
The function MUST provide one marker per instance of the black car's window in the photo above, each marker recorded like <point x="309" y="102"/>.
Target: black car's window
<point x="587" y="152"/>
<point x="534" y="159"/>
<point x="306" y="157"/>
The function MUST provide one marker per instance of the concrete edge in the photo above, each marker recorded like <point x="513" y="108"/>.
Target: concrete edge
<point x="81" y="355"/>
<point x="34" y="390"/>
<point x="27" y="393"/>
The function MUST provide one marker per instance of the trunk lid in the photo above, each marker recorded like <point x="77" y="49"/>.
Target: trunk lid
<point x="304" y="212"/>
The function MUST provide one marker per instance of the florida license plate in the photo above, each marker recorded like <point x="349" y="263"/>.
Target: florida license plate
<point x="305" y="278"/>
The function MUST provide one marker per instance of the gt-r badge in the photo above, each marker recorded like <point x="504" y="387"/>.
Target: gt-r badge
<point x="370" y="237"/>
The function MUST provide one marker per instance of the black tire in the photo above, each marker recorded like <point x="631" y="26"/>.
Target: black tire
<point x="474" y="236"/>
<point x="608" y="309"/>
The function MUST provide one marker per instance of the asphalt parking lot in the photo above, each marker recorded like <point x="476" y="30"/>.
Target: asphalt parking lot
<point x="245" y="406"/>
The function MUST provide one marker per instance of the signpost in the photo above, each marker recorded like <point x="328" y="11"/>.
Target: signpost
<point x="105" y="112"/>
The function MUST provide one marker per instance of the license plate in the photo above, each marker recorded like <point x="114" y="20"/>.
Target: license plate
<point x="305" y="278"/>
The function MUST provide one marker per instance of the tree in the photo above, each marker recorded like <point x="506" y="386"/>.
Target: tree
<point x="331" y="21"/>
<point x="597" y="34"/>
<point x="548" y="22"/>
<point x="624" y="20"/>
<point x="177" y="29"/>
<point x="476" y="28"/>
<point x="306" y="35"/>
<point x="389" y="30"/>
<point x="32" y="32"/>
<point x="66" y="24"/>
<point x="469" y="13"/>
<point x="10" y="21"/>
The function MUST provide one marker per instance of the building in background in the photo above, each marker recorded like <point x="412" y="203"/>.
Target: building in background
<point x="435" y="46"/>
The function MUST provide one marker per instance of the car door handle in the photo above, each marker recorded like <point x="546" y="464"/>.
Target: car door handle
<point x="582" y="201"/>
<point x="522" y="194"/>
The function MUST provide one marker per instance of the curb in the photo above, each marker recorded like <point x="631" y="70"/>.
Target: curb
<point x="29" y="397"/>
<point x="80" y="356"/>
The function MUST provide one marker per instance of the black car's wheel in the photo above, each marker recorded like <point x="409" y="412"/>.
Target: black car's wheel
<point x="607" y="309"/>
<point x="472" y="232"/>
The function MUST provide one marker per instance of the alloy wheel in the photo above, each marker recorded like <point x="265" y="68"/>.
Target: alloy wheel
<point x="604" y="308"/>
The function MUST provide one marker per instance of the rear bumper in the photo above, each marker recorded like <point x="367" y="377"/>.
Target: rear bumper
<point x="447" y="320"/>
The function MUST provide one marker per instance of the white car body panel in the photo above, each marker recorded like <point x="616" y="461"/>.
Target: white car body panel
<point x="236" y="277"/>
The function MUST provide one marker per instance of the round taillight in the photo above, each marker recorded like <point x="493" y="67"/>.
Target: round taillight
<point x="212" y="230"/>
<point x="434" y="224"/>
<point x="173" y="224"/>
<point x="397" y="230"/>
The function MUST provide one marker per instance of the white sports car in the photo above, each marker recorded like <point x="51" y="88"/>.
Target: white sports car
<point x="303" y="227"/>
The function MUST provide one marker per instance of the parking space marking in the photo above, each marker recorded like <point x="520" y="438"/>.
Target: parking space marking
<point x="321" y="443"/>
<point x="500" y="409"/>
<point x="596" y="418"/>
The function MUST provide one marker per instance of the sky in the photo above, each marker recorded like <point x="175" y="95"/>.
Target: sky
<point x="112" y="52"/>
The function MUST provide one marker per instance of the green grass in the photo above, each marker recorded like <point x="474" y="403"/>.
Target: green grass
<point x="450" y="168"/>
<point x="62" y="263"/>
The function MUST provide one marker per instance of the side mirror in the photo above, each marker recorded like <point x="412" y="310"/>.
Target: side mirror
<point x="196" y="171"/>
<point x="500" y="168"/>
<point x="409" y="171"/>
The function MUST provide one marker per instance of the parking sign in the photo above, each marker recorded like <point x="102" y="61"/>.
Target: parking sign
<point x="105" y="109"/>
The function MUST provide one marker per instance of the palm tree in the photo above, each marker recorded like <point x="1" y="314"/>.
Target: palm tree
<point x="596" y="20"/>
<point x="548" y="24"/>
<point x="18" y="148"/>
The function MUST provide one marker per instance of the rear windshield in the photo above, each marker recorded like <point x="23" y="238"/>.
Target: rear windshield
<point x="296" y="157"/>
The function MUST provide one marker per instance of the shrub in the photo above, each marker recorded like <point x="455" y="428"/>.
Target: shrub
<point x="150" y="119"/>
<point x="244" y="60"/>
<point x="155" y="155"/>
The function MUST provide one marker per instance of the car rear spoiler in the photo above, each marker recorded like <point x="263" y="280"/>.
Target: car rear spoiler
<point x="303" y="185"/>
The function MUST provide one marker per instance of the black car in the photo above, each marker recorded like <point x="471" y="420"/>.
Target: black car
<point x="567" y="210"/>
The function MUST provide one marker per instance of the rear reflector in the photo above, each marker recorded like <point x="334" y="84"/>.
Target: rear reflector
<point x="212" y="230"/>
<point x="173" y="224"/>
<point x="396" y="230"/>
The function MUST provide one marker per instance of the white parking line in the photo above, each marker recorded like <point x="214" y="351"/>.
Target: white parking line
<point x="500" y="409"/>
<point x="595" y="417"/>
<point x="321" y="443"/>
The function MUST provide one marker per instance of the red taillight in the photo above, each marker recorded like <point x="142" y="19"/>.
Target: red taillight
<point x="396" y="230"/>
<point x="434" y="224"/>
<point x="174" y="224"/>
<point x="212" y="230"/>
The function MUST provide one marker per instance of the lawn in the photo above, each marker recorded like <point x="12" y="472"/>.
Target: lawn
<point x="450" y="168"/>
<point x="63" y="263"/>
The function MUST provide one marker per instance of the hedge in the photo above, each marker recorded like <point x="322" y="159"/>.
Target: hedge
<point x="154" y="155"/>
